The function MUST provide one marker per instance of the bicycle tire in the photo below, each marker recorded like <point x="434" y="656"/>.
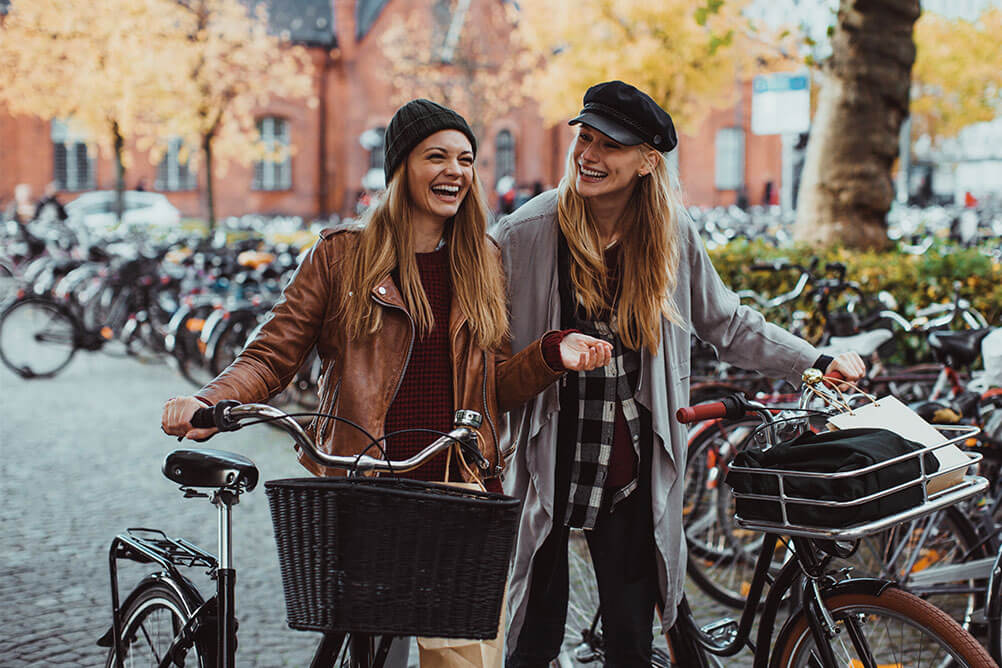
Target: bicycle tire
<point x="38" y="337"/>
<point x="919" y="618"/>
<point x="227" y="341"/>
<point x="150" y="621"/>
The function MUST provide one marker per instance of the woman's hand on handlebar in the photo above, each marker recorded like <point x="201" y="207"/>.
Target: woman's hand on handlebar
<point x="176" y="419"/>
<point x="850" y="366"/>
<point x="580" y="352"/>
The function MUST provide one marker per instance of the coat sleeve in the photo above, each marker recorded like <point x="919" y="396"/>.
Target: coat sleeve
<point x="521" y="377"/>
<point x="269" y="362"/>
<point x="740" y="335"/>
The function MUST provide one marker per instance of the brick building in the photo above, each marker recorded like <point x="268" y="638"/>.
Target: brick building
<point x="337" y="143"/>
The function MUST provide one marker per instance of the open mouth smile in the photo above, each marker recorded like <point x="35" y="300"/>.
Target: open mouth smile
<point x="446" y="191"/>
<point x="591" y="174"/>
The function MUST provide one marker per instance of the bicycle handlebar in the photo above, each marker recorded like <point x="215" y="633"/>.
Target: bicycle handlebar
<point x="729" y="408"/>
<point x="228" y="415"/>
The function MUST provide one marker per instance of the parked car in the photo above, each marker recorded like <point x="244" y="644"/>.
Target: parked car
<point x="96" y="210"/>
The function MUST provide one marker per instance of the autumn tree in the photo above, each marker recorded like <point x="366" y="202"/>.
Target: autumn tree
<point x="434" y="53"/>
<point x="846" y="189"/>
<point x="97" y="65"/>
<point x="687" y="56"/>
<point x="227" y="67"/>
<point x="957" y="77"/>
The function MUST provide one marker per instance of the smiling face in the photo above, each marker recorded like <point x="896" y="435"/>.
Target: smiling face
<point x="439" y="174"/>
<point x="604" y="167"/>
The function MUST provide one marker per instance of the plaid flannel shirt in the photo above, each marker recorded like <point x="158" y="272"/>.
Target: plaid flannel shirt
<point x="599" y="392"/>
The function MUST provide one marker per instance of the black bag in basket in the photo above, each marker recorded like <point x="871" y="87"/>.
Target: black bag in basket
<point x="831" y="452"/>
<point x="392" y="556"/>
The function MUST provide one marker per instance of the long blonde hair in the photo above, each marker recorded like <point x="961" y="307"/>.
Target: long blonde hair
<point x="386" y="241"/>
<point x="648" y="264"/>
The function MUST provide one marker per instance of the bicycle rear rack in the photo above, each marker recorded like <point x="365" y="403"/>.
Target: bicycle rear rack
<point x="149" y="545"/>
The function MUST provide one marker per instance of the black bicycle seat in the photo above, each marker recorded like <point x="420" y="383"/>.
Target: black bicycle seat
<point x="210" y="468"/>
<point x="958" y="348"/>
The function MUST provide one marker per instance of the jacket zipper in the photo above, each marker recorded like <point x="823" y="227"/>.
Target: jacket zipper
<point x="410" y="347"/>
<point x="498" y="468"/>
<point x="322" y="427"/>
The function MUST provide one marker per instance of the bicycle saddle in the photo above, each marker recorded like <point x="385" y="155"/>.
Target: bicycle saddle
<point x="864" y="343"/>
<point x="210" y="468"/>
<point x="958" y="348"/>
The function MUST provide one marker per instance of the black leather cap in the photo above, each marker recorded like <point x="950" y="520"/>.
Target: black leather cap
<point x="628" y="115"/>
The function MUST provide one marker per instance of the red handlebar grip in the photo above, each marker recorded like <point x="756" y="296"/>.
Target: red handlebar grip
<point x="710" y="411"/>
<point x="834" y="375"/>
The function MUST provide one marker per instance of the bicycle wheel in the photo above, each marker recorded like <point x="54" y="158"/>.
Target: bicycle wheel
<point x="909" y="551"/>
<point x="8" y="281"/>
<point x="149" y="623"/>
<point x="893" y="629"/>
<point x="38" y="338"/>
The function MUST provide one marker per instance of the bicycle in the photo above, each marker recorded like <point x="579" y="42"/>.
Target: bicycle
<point x="835" y="620"/>
<point x="165" y="621"/>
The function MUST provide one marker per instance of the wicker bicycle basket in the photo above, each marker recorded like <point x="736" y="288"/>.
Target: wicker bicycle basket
<point x="392" y="556"/>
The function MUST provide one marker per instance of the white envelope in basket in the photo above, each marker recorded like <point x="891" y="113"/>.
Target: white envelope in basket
<point x="889" y="413"/>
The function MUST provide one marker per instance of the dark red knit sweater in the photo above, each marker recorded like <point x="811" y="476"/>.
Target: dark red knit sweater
<point x="424" y="399"/>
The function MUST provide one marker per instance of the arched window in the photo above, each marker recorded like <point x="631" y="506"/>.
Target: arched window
<point x="72" y="164"/>
<point x="504" y="155"/>
<point x="274" y="173"/>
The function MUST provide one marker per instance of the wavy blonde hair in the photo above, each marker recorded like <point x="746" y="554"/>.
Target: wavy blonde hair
<point x="386" y="241"/>
<point x="648" y="265"/>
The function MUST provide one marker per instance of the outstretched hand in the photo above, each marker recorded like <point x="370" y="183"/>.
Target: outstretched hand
<point x="580" y="352"/>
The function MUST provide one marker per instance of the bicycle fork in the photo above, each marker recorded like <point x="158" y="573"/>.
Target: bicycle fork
<point x="819" y="619"/>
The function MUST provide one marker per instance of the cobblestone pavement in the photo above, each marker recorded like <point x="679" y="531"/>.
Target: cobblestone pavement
<point x="81" y="456"/>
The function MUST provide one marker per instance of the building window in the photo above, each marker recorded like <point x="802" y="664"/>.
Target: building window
<point x="72" y="164"/>
<point x="730" y="159"/>
<point x="504" y="155"/>
<point x="173" y="172"/>
<point x="373" y="140"/>
<point x="274" y="173"/>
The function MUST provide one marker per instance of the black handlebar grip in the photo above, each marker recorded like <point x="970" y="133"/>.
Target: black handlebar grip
<point x="204" y="418"/>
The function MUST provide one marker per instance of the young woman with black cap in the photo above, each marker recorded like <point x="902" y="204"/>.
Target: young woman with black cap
<point x="611" y="253"/>
<point x="407" y="313"/>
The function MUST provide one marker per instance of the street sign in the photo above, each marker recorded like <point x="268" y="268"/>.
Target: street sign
<point x="781" y="104"/>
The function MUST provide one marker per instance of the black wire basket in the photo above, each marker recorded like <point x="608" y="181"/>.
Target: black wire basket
<point x="392" y="556"/>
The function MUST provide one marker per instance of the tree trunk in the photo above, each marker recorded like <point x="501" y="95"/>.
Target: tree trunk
<point x="847" y="188"/>
<point x="118" y="143"/>
<point x="210" y="202"/>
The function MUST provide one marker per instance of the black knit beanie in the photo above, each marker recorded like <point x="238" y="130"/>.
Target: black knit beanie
<point x="412" y="123"/>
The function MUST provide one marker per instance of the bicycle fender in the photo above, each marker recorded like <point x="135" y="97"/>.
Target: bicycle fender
<point x="181" y="585"/>
<point x="871" y="586"/>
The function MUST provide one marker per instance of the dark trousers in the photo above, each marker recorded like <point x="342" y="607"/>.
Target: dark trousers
<point x="623" y="552"/>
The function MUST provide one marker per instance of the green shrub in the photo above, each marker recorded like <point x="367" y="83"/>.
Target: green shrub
<point x="915" y="281"/>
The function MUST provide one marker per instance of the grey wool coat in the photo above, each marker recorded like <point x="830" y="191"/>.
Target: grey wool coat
<point x="741" y="336"/>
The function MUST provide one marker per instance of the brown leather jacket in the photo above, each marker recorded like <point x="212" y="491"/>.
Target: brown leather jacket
<point x="361" y="376"/>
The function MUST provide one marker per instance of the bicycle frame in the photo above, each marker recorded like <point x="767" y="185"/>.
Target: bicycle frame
<point x="217" y="615"/>
<point x="690" y="644"/>
<point x="211" y="626"/>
